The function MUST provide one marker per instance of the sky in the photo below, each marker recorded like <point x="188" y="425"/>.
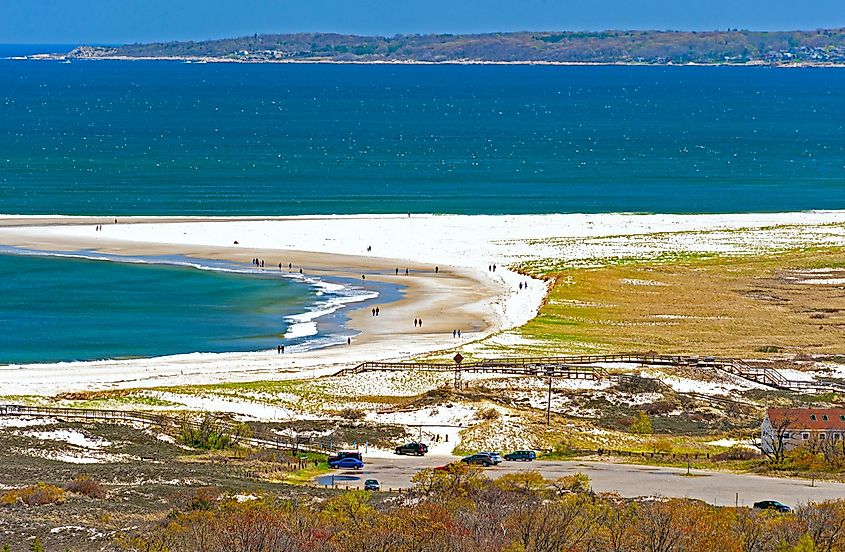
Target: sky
<point x="128" y="21"/>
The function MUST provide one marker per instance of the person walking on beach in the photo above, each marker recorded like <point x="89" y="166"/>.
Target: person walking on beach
<point x="374" y="312"/>
<point x="415" y="322"/>
<point x="454" y="333"/>
<point x="406" y="272"/>
<point x="349" y="341"/>
<point x="300" y="271"/>
<point x="280" y="267"/>
<point x="420" y="322"/>
<point x="278" y="349"/>
<point x="459" y="334"/>
<point x="436" y="269"/>
<point x="377" y="311"/>
<point x="290" y="266"/>
<point x="397" y="272"/>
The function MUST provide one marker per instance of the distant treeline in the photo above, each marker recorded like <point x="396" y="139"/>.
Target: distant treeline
<point x="657" y="47"/>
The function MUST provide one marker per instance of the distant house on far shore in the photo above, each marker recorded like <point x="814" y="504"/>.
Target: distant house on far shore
<point x="794" y="427"/>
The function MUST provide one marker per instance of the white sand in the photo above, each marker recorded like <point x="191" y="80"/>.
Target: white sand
<point x="469" y="243"/>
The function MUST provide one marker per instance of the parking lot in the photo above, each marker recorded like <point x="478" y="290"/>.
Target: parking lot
<point x="630" y="480"/>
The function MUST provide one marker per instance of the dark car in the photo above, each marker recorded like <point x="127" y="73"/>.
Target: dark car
<point x="521" y="455"/>
<point x="417" y="449"/>
<point x="480" y="459"/>
<point x="772" y="505"/>
<point x="372" y="485"/>
<point x="347" y="463"/>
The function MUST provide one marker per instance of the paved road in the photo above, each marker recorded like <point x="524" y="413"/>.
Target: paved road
<point x="627" y="479"/>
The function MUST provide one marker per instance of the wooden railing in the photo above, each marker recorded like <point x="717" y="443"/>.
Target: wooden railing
<point x="571" y="367"/>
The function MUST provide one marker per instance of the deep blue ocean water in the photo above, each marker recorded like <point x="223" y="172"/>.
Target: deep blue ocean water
<point x="224" y="139"/>
<point x="167" y="138"/>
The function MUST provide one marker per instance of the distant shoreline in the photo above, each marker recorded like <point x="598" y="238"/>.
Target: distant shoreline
<point x="330" y="61"/>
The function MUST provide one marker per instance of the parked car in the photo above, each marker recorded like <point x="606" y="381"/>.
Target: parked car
<point x="346" y="463"/>
<point x="495" y="456"/>
<point x="346" y="454"/>
<point x="521" y="455"/>
<point x="372" y="485"/>
<point x="417" y="449"/>
<point x="772" y="505"/>
<point x="481" y="459"/>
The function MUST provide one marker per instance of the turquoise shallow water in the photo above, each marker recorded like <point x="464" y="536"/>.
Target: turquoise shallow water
<point x="225" y="139"/>
<point x="60" y="309"/>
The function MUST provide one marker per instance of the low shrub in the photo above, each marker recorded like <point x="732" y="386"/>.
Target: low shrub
<point x="575" y="483"/>
<point x="659" y="408"/>
<point x="212" y="433"/>
<point x="86" y="486"/>
<point x="636" y="384"/>
<point x="737" y="453"/>
<point x="34" y="495"/>
<point x="768" y="349"/>
<point x="488" y="414"/>
<point x="205" y="498"/>
<point x="352" y="414"/>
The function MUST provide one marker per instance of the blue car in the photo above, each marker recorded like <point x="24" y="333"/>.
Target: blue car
<point x="347" y="463"/>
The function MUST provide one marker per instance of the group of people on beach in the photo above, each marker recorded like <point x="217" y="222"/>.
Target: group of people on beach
<point x="418" y="322"/>
<point x="456" y="333"/>
<point x="259" y="263"/>
<point x="98" y="228"/>
<point x="375" y="311"/>
<point x="491" y="268"/>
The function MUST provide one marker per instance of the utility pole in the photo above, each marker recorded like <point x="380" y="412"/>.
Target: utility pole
<point x="549" y="404"/>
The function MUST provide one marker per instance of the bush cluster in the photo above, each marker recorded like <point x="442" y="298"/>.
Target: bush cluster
<point x="34" y="495"/>
<point x="461" y="510"/>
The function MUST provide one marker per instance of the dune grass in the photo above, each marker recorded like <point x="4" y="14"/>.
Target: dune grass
<point x="748" y="306"/>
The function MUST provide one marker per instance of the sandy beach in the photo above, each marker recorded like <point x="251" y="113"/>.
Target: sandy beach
<point x="450" y="282"/>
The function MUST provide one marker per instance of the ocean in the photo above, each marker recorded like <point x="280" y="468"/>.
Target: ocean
<point x="170" y="138"/>
<point x="156" y="138"/>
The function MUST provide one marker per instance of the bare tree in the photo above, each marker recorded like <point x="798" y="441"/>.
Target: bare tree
<point x="775" y="446"/>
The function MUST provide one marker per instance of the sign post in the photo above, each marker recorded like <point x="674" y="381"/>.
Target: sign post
<point x="458" y="358"/>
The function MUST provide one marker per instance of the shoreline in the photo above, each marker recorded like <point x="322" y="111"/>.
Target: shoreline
<point x="449" y="299"/>
<point x="330" y="61"/>
<point x="463" y="293"/>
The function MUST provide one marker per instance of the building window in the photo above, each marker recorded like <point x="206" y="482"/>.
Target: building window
<point x="821" y="436"/>
<point x="813" y="417"/>
<point x="842" y="417"/>
<point x="824" y="417"/>
<point x="805" y="435"/>
<point x="785" y="435"/>
<point x="837" y="436"/>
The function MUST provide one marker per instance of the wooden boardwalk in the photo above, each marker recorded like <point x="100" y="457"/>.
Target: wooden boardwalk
<point x="583" y="367"/>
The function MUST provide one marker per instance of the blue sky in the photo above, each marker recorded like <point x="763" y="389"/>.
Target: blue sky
<point x="118" y="21"/>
